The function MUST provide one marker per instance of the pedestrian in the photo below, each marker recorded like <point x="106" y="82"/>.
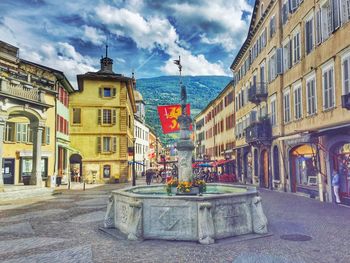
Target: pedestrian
<point x="335" y="185"/>
<point x="149" y="175"/>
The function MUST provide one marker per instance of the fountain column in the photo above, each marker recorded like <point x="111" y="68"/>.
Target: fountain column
<point x="184" y="145"/>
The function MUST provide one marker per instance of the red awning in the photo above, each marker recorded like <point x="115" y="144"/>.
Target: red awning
<point x="222" y="162"/>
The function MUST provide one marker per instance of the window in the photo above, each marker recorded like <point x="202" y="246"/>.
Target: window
<point x="272" y="26"/>
<point x="296" y="47"/>
<point x="285" y="11"/>
<point x="272" y="66"/>
<point x="309" y="35"/>
<point x="287" y="55"/>
<point x="76" y="115"/>
<point x="107" y="144"/>
<point x="107" y="117"/>
<point x="21" y="132"/>
<point x="345" y="10"/>
<point x="106" y="171"/>
<point x="273" y="110"/>
<point x="311" y="96"/>
<point x="346" y="74"/>
<point x="297" y="102"/>
<point x="9" y="132"/>
<point x="328" y="87"/>
<point x="107" y="92"/>
<point x="286" y="106"/>
<point x="330" y="17"/>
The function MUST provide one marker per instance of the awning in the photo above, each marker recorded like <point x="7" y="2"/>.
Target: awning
<point x="223" y="162"/>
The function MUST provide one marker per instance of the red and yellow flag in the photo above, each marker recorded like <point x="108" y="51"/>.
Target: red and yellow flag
<point x="168" y="115"/>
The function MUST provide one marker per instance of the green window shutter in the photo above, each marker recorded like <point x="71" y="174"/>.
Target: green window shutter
<point x="100" y="90"/>
<point x="114" y="92"/>
<point x="98" y="144"/>
<point x="99" y="117"/>
<point x="114" y="144"/>
<point x="114" y="116"/>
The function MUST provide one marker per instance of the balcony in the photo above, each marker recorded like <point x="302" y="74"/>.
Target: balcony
<point x="259" y="132"/>
<point x="18" y="90"/>
<point x="345" y="101"/>
<point x="258" y="92"/>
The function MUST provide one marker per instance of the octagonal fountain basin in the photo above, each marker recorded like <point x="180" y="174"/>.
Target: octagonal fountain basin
<point x="148" y="212"/>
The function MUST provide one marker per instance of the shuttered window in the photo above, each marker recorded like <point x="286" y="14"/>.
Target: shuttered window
<point x="309" y="42"/>
<point x="286" y="106"/>
<point x="297" y="102"/>
<point x="328" y="88"/>
<point x="346" y="74"/>
<point x="76" y="115"/>
<point x="311" y="96"/>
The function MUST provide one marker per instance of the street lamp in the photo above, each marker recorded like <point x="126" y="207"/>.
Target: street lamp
<point x="133" y="163"/>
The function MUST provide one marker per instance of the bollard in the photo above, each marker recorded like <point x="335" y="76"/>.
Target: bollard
<point x="84" y="186"/>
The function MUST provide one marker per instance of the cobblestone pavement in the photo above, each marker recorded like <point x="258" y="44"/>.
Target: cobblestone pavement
<point x="65" y="229"/>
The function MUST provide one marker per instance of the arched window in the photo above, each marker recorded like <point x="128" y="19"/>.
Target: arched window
<point x="261" y="9"/>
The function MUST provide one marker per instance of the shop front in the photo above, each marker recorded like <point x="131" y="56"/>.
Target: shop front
<point x="303" y="170"/>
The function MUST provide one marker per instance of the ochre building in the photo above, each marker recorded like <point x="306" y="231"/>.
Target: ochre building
<point x="292" y="91"/>
<point x="102" y="125"/>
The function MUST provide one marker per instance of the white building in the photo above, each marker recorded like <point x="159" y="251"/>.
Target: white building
<point x="141" y="133"/>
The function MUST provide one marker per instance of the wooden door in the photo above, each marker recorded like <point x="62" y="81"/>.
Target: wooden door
<point x="266" y="169"/>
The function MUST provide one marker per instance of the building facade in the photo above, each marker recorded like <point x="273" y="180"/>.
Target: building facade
<point x="214" y="129"/>
<point x="141" y="133"/>
<point x="102" y="125"/>
<point x="292" y="97"/>
<point x="27" y="119"/>
<point x="63" y="149"/>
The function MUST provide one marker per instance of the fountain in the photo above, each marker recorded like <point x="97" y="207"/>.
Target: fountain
<point x="149" y="212"/>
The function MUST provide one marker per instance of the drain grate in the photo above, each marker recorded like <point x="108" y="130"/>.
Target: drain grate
<point x="296" y="237"/>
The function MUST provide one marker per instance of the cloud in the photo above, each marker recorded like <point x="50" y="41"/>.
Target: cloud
<point x="156" y="33"/>
<point x="93" y="35"/>
<point x="219" y="21"/>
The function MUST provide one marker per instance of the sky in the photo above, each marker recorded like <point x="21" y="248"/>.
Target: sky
<point x="143" y="36"/>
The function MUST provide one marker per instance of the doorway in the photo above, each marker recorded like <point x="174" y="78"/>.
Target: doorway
<point x="264" y="168"/>
<point x="9" y="171"/>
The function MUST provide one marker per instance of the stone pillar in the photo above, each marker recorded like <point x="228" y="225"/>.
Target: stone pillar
<point x="36" y="178"/>
<point x="2" y="127"/>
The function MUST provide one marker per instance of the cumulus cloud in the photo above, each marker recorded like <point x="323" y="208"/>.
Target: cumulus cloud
<point x="94" y="35"/>
<point x="156" y="33"/>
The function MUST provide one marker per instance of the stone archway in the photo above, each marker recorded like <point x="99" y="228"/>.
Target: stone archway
<point x="76" y="167"/>
<point x="36" y="124"/>
<point x="303" y="169"/>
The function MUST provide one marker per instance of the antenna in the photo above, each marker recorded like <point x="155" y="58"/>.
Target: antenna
<point x="106" y="51"/>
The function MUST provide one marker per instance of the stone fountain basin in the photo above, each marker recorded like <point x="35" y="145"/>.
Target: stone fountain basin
<point x="147" y="212"/>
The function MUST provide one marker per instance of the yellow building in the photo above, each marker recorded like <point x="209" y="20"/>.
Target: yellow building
<point x="102" y="125"/>
<point x="27" y="119"/>
<point x="292" y="92"/>
<point x="214" y="130"/>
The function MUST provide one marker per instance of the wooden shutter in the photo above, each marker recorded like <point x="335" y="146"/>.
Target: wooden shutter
<point x="114" y="92"/>
<point x="99" y="144"/>
<point x="114" y="116"/>
<point x="100" y="90"/>
<point x="114" y="144"/>
<point x="336" y="14"/>
<point x="279" y="58"/>
<point x="99" y="116"/>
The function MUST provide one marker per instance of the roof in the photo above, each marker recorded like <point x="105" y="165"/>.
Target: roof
<point x="212" y="101"/>
<point x="138" y="96"/>
<point x="59" y="74"/>
<point x="250" y="34"/>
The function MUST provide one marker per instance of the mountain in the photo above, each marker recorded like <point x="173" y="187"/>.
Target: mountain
<point x="165" y="91"/>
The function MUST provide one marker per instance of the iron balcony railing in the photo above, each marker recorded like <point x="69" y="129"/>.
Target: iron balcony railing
<point x="257" y="92"/>
<point x="259" y="132"/>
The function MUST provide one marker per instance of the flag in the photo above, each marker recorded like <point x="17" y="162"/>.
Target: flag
<point x="168" y="115"/>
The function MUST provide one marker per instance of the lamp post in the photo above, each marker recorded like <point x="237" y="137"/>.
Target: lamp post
<point x="133" y="163"/>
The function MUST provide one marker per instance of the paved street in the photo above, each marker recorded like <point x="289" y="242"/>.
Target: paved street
<point x="65" y="229"/>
